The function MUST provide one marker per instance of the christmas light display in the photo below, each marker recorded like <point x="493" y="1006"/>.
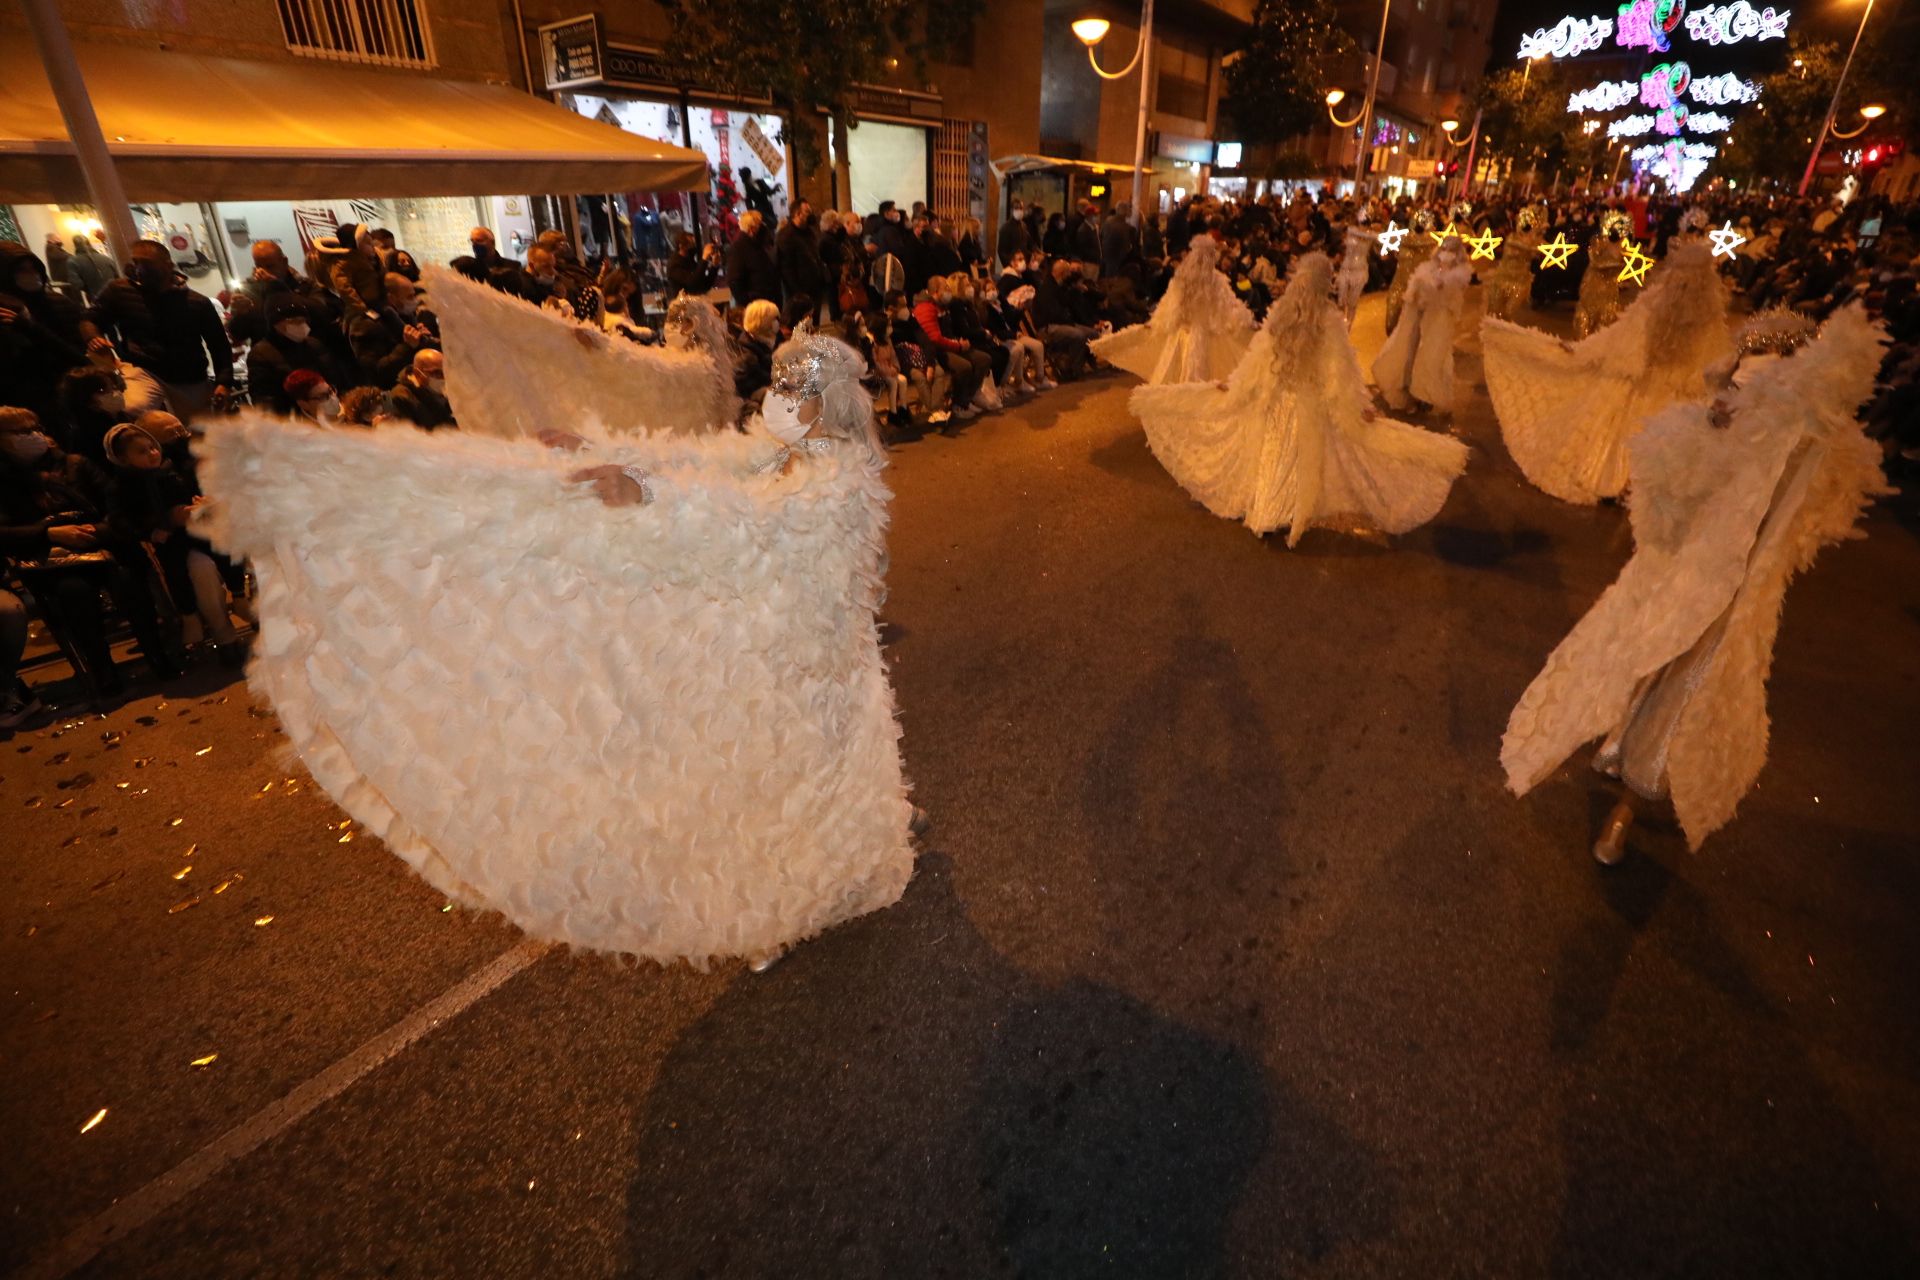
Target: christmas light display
<point x="1390" y="238"/>
<point x="1666" y="84"/>
<point x="1483" y="244"/>
<point x="1555" y="252"/>
<point x="1731" y="23"/>
<point x="1647" y="24"/>
<point x="1568" y="39"/>
<point x="1718" y="91"/>
<point x="1726" y="240"/>
<point x="1630" y="127"/>
<point x="1708" y="122"/>
<point x="1672" y="121"/>
<point x="1635" y="270"/>
<point x="1608" y="95"/>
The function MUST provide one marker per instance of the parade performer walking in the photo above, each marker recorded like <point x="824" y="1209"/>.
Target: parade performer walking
<point x="1599" y="304"/>
<point x="1198" y="332"/>
<point x="1510" y="283"/>
<point x="1416" y="364"/>
<point x="1291" y="440"/>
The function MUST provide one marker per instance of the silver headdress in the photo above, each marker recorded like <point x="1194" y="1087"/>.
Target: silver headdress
<point x="695" y="320"/>
<point x="1615" y="220"/>
<point x="1776" y="332"/>
<point x="1530" y="217"/>
<point x="811" y="364"/>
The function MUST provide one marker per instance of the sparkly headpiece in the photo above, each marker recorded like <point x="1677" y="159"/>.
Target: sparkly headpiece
<point x="1776" y="332"/>
<point x="1529" y="217"/>
<point x="1615" y="220"/>
<point x="1462" y="210"/>
<point x="812" y="364"/>
<point x="1694" y="219"/>
<point x="1423" y="220"/>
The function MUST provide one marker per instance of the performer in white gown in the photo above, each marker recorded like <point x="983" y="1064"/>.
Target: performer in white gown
<point x="1567" y="411"/>
<point x="1416" y="250"/>
<point x="1198" y="332"/>
<point x="1291" y="439"/>
<point x="1416" y="364"/>
<point x="656" y="723"/>
<point x="531" y="352"/>
<point x="1356" y="258"/>
<point x="1730" y="499"/>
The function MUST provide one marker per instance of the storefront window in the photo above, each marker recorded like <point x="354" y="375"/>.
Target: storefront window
<point x="735" y="141"/>
<point x="887" y="162"/>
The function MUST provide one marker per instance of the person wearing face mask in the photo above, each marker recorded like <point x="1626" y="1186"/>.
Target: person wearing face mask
<point x="693" y="268"/>
<point x="287" y="345"/>
<point x="753" y="363"/>
<point x="312" y="397"/>
<point x="420" y="396"/>
<point x="93" y="401"/>
<point x="156" y="322"/>
<point x="384" y="341"/>
<point x="39" y="333"/>
<point x="487" y="265"/>
<point x="55" y="531"/>
<point x="273" y="277"/>
<point x="967" y="367"/>
<point x="751" y="273"/>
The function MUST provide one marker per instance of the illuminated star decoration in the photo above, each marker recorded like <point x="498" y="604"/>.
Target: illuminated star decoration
<point x="1726" y="240"/>
<point x="1556" y="251"/>
<point x="1635" y="272"/>
<point x="1484" y="244"/>
<point x="1440" y="237"/>
<point x="1390" y="238"/>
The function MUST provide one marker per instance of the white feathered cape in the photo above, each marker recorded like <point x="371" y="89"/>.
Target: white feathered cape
<point x="1198" y="332"/>
<point x="510" y="363"/>
<point x="1567" y="416"/>
<point x="1286" y="441"/>
<point x="662" y="730"/>
<point x="1416" y="363"/>
<point x="1722" y="519"/>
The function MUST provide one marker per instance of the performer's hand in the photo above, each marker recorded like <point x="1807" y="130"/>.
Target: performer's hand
<point x="613" y="484"/>
<point x="561" y="440"/>
<point x="74" y="537"/>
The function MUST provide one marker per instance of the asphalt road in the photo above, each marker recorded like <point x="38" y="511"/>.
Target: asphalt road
<point x="1228" y="956"/>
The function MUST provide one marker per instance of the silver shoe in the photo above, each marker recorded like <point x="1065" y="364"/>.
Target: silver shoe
<point x="1611" y="847"/>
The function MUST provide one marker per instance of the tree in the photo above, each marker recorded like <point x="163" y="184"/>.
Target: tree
<point x="1276" y="84"/>
<point x="807" y="56"/>
<point x="1771" y="138"/>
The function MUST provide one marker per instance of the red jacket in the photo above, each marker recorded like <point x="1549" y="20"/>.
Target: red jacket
<point x="927" y="314"/>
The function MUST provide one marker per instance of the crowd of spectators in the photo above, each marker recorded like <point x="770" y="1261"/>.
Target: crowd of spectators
<point x="102" y="374"/>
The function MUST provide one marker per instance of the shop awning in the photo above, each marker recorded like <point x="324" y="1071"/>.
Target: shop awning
<point x="183" y="127"/>
<point x="1006" y="165"/>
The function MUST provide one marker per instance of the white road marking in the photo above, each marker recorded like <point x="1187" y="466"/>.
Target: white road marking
<point x="132" y="1212"/>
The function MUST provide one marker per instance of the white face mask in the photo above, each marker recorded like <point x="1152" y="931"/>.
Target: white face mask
<point x="110" y="402"/>
<point x="782" y="419"/>
<point x="295" y="332"/>
<point x="25" y="446"/>
<point x="328" y="408"/>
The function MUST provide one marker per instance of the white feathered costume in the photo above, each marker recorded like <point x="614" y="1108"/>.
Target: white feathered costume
<point x="514" y="369"/>
<point x="662" y="730"/>
<point x="1670" y="665"/>
<point x="1356" y="260"/>
<point x="1417" y="361"/>
<point x="1288" y="440"/>
<point x="1567" y="413"/>
<point x="1198" y="332"/>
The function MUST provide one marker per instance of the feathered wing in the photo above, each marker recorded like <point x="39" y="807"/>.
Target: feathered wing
<point x="1722" y="519"/>
<point x="507" y="361"/>
<point x="1197" y="334"/>
<point x="663" y="730"/>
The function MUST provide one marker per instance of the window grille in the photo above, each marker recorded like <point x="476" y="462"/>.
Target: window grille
<point x="384" y="33"/>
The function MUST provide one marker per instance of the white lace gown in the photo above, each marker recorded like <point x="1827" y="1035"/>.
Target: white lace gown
<point x="1351" y="280"/>
<point x="509" y="363"/>
<point x="1198" y="332"/>
<point x="663" y="730"/>
<point x="1417" y="361"/>
<point x="1567" y="414"/>
<point x="1286" y="441"/>
<point x="1670" y="665"/>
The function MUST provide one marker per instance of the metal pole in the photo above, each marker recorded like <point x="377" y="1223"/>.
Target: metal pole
<point x="1473" y="145"/>
<point x="1140" y="128"/>
<point x="1373" y="88"/>
<point x="83" y="127"/>
<point x="1826" y="125"/>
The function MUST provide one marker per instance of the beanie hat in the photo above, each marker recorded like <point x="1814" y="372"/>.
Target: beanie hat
<point x="282" y="305"/>
<point x="301" y="384"/>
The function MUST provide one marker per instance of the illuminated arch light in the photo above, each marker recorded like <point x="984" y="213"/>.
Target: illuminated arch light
<point x="1609" y="95"/>
<point x="1718" y="91"/>
<point x="1708" y="122"/>
<point x="1672" y="121"/>
<point x="1646" y="24"/>
<point x="1701" y="151"/>
<point x="1630" y="127"/>
<point x="1732" y="23"/>
<point x="1666" y="84"/>
<point x="1569" y="38"/>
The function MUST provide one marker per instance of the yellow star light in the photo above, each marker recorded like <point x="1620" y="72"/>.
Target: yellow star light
<point x="1635" y="272"/>
<point x="1484" y="244"/>
<point x="1556" y="251"/>
<point x="1439" y="237"/>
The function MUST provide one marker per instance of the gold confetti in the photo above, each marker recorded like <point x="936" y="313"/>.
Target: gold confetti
<point x="206" y="1061"/>
<point x="176" y="822"/>
<point x="98" y="1116"/>
<point x="181" y="874"/>
<point x="343" y="839"/>
<point x="268" y="787"/>
<point x="203" y="751"/>
<point x="123" y="785"/>
<point x="182" y="905"/>
<point x="343" y="826"/>
<point x="446" y="907"/>
<point x="262" y="920"/>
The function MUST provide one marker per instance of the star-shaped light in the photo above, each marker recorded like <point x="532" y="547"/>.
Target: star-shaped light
<point x="1556" y="251"/>
<point x="1726" y="240"/>
<point x="1483" y="244"/>
<point x="1635" y="272"/>
<point x="1390" y="238"/>
<point x="1440" y="237"/>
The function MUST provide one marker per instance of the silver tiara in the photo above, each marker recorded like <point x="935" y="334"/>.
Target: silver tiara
<point x="1776" y="332"/>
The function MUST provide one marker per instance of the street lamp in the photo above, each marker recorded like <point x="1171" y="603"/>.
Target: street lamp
<point x="1090" y="32"/>
<point x="1470" y="142"/>
<point x="1833" y="105"/>
<point x="1365" y="119"/>
<point x="1871" y="112"/>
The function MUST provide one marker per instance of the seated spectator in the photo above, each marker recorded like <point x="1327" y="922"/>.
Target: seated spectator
<point x="801" y="308"/>
<point x="486" y="265"/>
<point x="55" y="530"/>
<point x="1056" y="314"/>
<point x="151" y="502"/>
<point x="94" y="401"/>
<point x="287" y="345"/>
<point x="312" y="397"/>
<point x="753" y="363"/>
<point x="365" y="407"/>
<point x="1026" y="364"/>
<point x="384" y="341"/>
<point x="965" y="322"/>
<point x="914" y="357"/>
<point x="420" y="397"/>
<point x="965" y="366"/>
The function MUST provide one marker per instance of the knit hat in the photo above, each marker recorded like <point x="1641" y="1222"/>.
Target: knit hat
<point x="282" y="305"/>
<point x="301" y="384"/>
